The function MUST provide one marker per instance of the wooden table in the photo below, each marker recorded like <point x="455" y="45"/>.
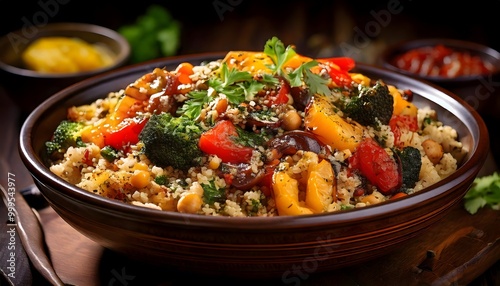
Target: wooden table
<point x="456" y="251"/>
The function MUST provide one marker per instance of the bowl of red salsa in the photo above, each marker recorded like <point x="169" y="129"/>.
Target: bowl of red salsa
<point x="468" y="69"/>
<point x="442" y="60"/>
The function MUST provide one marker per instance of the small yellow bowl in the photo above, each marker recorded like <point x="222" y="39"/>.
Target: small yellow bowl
<point x="28" y="87"/>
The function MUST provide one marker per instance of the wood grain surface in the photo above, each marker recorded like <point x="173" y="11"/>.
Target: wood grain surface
<point x="456" y="251"/>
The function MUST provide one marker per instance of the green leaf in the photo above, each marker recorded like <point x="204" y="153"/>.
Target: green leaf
<point x="161" y="15"/>
<point x="276" y="50"/>
<point x="196" y="102"/>
<point x="232" y="76"/>
<point x="473" y="205"/>
<point x="155" y="33"/>
<point x="316" y="84"/>
<point x="212" y="194"/>
<point x="251" y="89"/>
<point x="485" y="191"/>
<point x="169" y="40"/>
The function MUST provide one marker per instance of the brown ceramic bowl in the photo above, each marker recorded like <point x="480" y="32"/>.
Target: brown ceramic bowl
<point x="28" y="88"/>
<point x="258" y="247"/>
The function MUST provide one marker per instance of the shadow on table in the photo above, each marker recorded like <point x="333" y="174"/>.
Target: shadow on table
<point x="117" y="269"/>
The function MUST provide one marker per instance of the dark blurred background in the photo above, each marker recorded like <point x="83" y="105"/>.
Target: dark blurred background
<point x="359" y="29"/>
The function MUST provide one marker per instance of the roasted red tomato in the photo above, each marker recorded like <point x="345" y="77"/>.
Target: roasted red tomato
<point x="338" y="69"/>
<point x="125" y="133"/>
<point x="377" y="166"/>
<point x="281" y="96"/>
<point x="221" y="140"/>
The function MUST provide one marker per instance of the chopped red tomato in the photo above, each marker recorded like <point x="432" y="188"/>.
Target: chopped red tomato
<point x="377" y="166"/>
<point x="338" y="69"/>
<point x="400" y="124"/>
<point x="282" y="96"/>
<point x="221" y="141"/>
<point x="126" y="133"/>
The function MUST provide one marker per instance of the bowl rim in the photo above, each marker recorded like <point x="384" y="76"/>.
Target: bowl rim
<point x="405" y="45"/>
<point x="251" y="224"/>
<point x="121" y="57"/>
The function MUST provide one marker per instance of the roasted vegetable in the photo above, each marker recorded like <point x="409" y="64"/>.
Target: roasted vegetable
<point x="374" y="163"/>
<point x="171" y="141"/>
<point x="411" y="162"/>
<point x="329" y="127"/>
<point x="319" y="187"/>
<point x="227" y="142"/>
<point x="67" y="134"/>
<point x="369" y="105"/>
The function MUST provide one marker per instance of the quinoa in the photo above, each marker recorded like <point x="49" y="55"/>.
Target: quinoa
<point x="215" y="187"/>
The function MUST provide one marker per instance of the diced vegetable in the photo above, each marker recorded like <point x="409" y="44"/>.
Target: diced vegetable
<point x="222" y="140"/>
<point x="317" y="181"/>
<point x="377" y="166"/>
<point x="330" y="128"/>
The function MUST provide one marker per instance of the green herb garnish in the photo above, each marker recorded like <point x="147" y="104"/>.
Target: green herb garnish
<point x="485" y="191"/>
<point x="276" y="50"/>
<point x="212" y="194"/>
<point x="237" y="86"/>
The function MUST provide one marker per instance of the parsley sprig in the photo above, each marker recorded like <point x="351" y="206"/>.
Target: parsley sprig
<point x="237" y="86"/>
<point x="276" y="50"/>
<point x="485" y="191"/>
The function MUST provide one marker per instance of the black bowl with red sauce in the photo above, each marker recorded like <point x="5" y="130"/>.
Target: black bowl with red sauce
<point x="442" y="61"/>
<point x="467" y="69"/>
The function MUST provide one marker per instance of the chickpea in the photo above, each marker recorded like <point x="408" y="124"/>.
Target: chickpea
<point x="214" y="163"/>
<point x="433" y="150"/>
<point x="291" y="120"/>
<point x="189" y="203"/>
<point x="140" y="179"/>
<point x="221" y="105"/>
<point x="141" y="166"/>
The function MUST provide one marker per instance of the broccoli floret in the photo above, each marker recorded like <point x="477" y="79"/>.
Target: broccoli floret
<point x="370" y="105"/>
<point x="171" y="141"/>
<point x="411" y="162"/>
<point x="67" y="134"/>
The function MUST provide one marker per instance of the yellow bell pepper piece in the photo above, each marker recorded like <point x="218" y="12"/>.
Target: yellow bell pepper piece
<point x="286" y="195"/>
<point x="320" y="186"/>
<point x="95" y="134"/>
<point x="253" y="62"/>
<point x="330" y="128"/>
<point x="316" y="179"/>
<point x="401" y="105"/>
<point x="361" y="79"/>
<point x="259" y="62"/>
